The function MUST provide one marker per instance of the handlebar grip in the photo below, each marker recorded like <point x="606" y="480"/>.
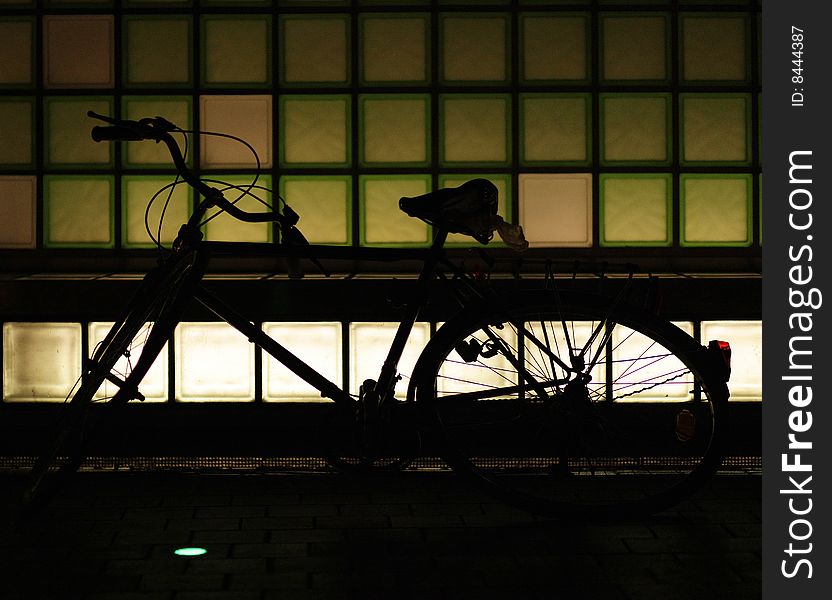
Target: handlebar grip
<point x="115" y="133"/>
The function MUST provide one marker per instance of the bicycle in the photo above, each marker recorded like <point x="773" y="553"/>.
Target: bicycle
<point x="562" y="403"/>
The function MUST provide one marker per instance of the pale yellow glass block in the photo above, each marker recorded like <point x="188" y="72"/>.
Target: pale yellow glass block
<point x="154" y="386"/>
<point x="315" y="130"/>
<point x="236" y="50"/>
<point x="635" y="210"/>
<point x="383" y="222"/>
<point x="148" y="152"/>
<point x="580" y="342"/>
<point x="317" y="344"/>
<point x="394" y="49"/>
<point x="635" y="129"/>
<point x="634" y="48"/>
<point x="714" y="129"/>
<point x="41" y="361"/>
<point x="248" y="117"/>
<point x="554" y="48"/>
<point x="78" y="51"/>
<point x="324" y="207"/>
<point x="715" y="211"/>
<point x="136" y="194"/>
<point x="475" y="130"/>
<point x="15" y="132"/>
<point x="158" y="51"/>
<point x="458" y="377"/>
<point x="315" y="50"/>
<point x="746" y="339"/>
<point x="214" y="362"/>
<point x="225" y="228"/>
<point x="714" y="48"/>
<point x="68" y="140"/>
<point x="17" y="211"/>
<point x="556" y="209"/>
<point x="474" y="48"/>
<point x="78" y="211"/>
<point x="16" y="52"/>
<point x="554" y="129"/>
<point x="395" y="130"/>
<point x="369" y="345"/>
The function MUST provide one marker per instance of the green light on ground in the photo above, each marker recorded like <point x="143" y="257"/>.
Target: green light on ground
<point x="190" y="551"/>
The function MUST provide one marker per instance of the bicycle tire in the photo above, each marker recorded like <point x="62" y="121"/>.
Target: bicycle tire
<point x="640" y="438"/>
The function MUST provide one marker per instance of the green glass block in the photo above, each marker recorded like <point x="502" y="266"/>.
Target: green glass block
<point x="474" y="47"/>
<point x="503" y="184"/>
<point x="395" y="48"/>
<point x="746" y="339"/>
<point x="41" y="361"/>
<point x="556" y="209"/>
<point x="17" y="211"/>
<point x="554" y="129"/>
<point x="635" y="210"/>
<point x="136" y="193"/>
<point x="395" y="129"/>
<point x="635" y="128"/>
<point x="16" y="52"/>
<point x="716" y="210"/>
<point x="78" y="211"/>
<point x="248" y="117"/>
<point x="78" y="51"/>
<point x="475" y="129"/>
<point x="623" y="60"/>
<point x="17" y="131"/>
<point x="715" y="129"/>
<point x="315" y="49"/>
<point x="176" y="109"/>
<point x="382" y="223"/>
<point x="714" y="48"/>
<point x="224" y="227"/>
<point x="236" y="50"/>
<point x="553" y="48"/>
<point x="324" y="204"/>
<point x="315" y="130"/>
<point x="157" y="50"/>
<point x="317" y="344"/>
<point x="67" y="131"/>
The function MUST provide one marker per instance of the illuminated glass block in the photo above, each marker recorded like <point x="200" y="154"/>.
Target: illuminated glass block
<point x="324" y="204"/>
<point x="395" y="129"/>
<point x="635" y="128"/>
<point x="16" y="123"/>
<point x="214" y="362"/>
<point x="503" y="184"/>
<point x="458" y="377"/>
<point x="554" y="129"/>
<point x="154" y="386"/>
<point x="556" y="209"/>
<point x="475" y="129"/>
<point x="714" y="48"/>
<point x="136" y="192"/>
<point x="369" y="345"/>
<point x="635" y="210"/>
<point x="16" y="50"/>
<point x="553" y="48"/>
<point x="716" y="210"/>
<point x="226" y="228"/>
<point x="17" y="211"/>
<point x="382" y="222"/>
<point x="394" y="48"/>
<point x="715" y="128"/>
<point x="248" y="117"/>
<point x="474" y="47"/>
<point x="67" y="131"/>
<point x="78" y="51"/>
<point x="78" y="210"/>
<point x="624" y="60"/>
<point x="316" y="130"/>
<point x="316" y="49"/>
<point x="157" y="50"/>
<point x="236" y="50"/>
<point x="746" y="339"/>
<point x="317" y="344"/>
<point x="41" y="361"/>
<point x="176" y="109"/>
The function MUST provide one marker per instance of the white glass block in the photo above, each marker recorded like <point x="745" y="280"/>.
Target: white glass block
<point x="714" y="129"/>
<point x="248" y="117"/>
<point x="317" y="344"/>
<point x="369" y="345"/>
<point x="78" y="51"/>
<point x="214" y="362"/>
<point x="147" y="152"/>
<point x="553" y="48"/>
<point x="324" y="205"/>
<point x="136" y="194"/>
<point x="154" y="386"/>
<point x="315" y="130"/>
<point x="556" y="209"/>
<point x="158" y="50"/>
<point x="503" y="203"/>
<point x="746" y="340"/>
<point x="383" y="221"/>
<point x="579" y="341"/>
<point x="625" y="60"/>
<point x="78" y="211"/>
<point x="635" y="210"/>
<point x="41" y="361"/>
<point x="315" y="49"/>
<point x="16" y="52"/>
<point x="17" y="211"/>
<point x="68" y="127"/>
<point x="474" y="130"/>
<point x="394" y="48"/>
<point x="713" y="48"/>
<point x="458" y="377"/>
<point x="16" y="124"/>
<point x="395" y="130"/>
<point x="715" y="211"/>
<point x="474" y="48"/>
<point x="554" y="129"/>
<point x="635" y="128"/>
<point x="236" y="50"/>
<point x="226" y="228"/>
